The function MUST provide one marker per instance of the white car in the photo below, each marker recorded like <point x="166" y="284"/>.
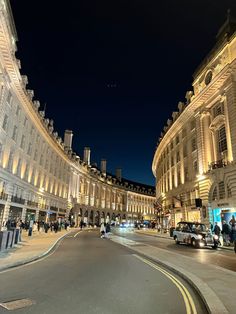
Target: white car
<point x="195" y="234"/>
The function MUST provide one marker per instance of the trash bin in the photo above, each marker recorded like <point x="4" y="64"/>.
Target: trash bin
<point x="171" y="231"/>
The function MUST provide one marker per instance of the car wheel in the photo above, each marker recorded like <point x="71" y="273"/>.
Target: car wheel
<point x="176" y="240"/>
<point x="195" y="243"/>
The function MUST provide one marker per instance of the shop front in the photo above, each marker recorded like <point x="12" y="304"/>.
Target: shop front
<point x="1" y="214"/>
<point x="42" y="215"/>
<point x="194" y="215"/>
<point x="15" y="213"/>
<point x="221" y="214"/>
<point x="178" y="216"/>
<point x="30" y="215"/>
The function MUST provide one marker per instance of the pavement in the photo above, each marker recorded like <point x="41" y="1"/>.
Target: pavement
<point x="154" y="233"/>
<point x="30" y="248"/>
<point x="215" y="284"/>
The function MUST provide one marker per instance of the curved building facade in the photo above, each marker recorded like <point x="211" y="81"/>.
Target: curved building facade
<point x="41" y="178"/>
<point x="194" y="162"/>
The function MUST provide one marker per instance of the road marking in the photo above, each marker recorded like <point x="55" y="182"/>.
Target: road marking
<point x="76" y="234"/>
<point x="189" y="303"/>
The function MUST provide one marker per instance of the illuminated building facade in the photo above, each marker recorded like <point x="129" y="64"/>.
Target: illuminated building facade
<point x="41" y="178"/>
<point x="194" y="162"/>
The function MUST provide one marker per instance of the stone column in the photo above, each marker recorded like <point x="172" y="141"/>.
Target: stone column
<point x="227" y="130"/>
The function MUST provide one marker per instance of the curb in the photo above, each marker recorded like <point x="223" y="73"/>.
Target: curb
<point x="35" y="258"/>
<point x="163" y="237"/>
<point x="210" y="299"/>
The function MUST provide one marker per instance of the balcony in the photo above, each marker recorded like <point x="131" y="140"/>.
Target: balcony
<point x="217" y="164"/>
<point x="3" y="196"/>
<point x="32" y="204"/>
<point x="18" y="200"/>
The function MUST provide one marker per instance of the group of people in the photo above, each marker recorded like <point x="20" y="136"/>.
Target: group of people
<point x="228" y="231"/>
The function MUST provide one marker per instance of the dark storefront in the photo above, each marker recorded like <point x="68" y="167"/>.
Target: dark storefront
<point x="15" y="213"/>
<point x="30" y="215"/>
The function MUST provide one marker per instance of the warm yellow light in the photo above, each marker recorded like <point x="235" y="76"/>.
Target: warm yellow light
<point x="201" y="177"/>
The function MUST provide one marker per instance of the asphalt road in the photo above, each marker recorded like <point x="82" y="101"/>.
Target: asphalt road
<point x="87" y="274"/>
<point x="220" y="257"/>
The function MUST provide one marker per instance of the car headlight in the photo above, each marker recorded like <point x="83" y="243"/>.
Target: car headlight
<point x="216" y="237"/>
<point x="199" y="236"/>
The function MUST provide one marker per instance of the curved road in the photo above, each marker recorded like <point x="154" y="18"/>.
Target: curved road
<point x="220" y="257"/>
<point x="87" y="274"/>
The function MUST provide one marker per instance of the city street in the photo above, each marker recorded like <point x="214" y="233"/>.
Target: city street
<point x="87" y="274"/>
<point x="220" y="257"/>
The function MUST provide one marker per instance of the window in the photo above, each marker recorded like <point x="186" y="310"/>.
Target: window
<point x="9" y="98"/>
<point x="172" y="161"/>
<point x="19" y="167"/>
<point x="186" y="178"/>
<point x="14" y="133"/>
<point x="193" y="124"/>
<point x="184" y="133"/>
<point x="1" y="150"/>
<point x="25" y="121"/>
<point x="177" y="157"/>
<point x="177" y="139"/>
<point x="173" y="180"/>
<point x="214" y="194"/>
<point x="195" y="166"/>
<point x="35" y="154"/>
<point x="221" y="190"/>
<point x="17" y="110"/>
<point x="29" y="152"/>
<point x="229" y="193"/>
<point x="171" y="145"/>
<point x="185" y="150"/>
<point x="22" y="144"/>
<point x="178" y="177"/>
<point x="194" y="144"/>
<point x="10" y="161"/>
<point x="32" y="130"/>
<point x="218" y="109"/>
<point x="222" y="140"/>
<point x="41" y="160"/>
<point x="5" y="122"/>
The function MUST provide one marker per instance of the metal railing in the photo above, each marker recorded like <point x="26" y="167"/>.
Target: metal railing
<point x="217" y="164"/>
<point x="18" y="200"/>
<point x="3" y="196"/>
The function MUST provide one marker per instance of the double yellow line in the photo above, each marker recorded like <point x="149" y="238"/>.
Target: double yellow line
<point x="188" y="301"/>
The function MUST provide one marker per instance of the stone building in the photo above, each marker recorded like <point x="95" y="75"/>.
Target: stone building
<point x="41" y="177"/>
<point x="194" y="162"/>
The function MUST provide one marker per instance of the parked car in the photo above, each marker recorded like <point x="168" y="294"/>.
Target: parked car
<point x="195" y="234"/>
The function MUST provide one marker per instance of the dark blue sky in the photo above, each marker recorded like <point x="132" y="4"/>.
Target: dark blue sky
<point x="113" y="71"/>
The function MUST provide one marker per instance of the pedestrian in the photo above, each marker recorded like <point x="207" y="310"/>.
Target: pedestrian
<point x="81" y="224"/>
<point x="108" y="230"/>
<point x="66" y="225"/>
<point x="46" y="227"/>
<point x="217" y="231"/>
<point x="226" y="233"/>
<point x="102" y="230"/>
<point x="56" y="226"/>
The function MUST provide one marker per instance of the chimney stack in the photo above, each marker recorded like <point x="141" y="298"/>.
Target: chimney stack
<point x="103" y="166"/>
<point x="118" y="174"/>
<point x="87" y="155"/>
<point x="68" y="139"/>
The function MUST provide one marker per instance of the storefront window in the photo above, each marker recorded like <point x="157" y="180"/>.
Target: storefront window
<point x="221" y="190"/>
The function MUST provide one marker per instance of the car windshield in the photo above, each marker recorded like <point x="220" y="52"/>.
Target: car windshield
<point x="198" y="228"/>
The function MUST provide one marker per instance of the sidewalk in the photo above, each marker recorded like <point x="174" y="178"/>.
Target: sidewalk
<point x="154" y="233"/>
<point x="31" y="248"/>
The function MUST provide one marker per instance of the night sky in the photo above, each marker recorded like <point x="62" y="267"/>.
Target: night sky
<point x="113" y="71"/>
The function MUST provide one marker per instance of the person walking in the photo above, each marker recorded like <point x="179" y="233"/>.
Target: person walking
<point x="102" y="230"/>
<point x="217" y="231"/>
<point x="81" y="224"/>
<point x="225" y="232"/>
<point x="232" y="223"/>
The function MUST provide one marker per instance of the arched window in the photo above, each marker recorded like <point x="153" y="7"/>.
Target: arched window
<point x="221" y="190"/>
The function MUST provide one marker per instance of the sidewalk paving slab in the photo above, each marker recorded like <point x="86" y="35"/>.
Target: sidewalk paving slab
<point x="31" y="248"/>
